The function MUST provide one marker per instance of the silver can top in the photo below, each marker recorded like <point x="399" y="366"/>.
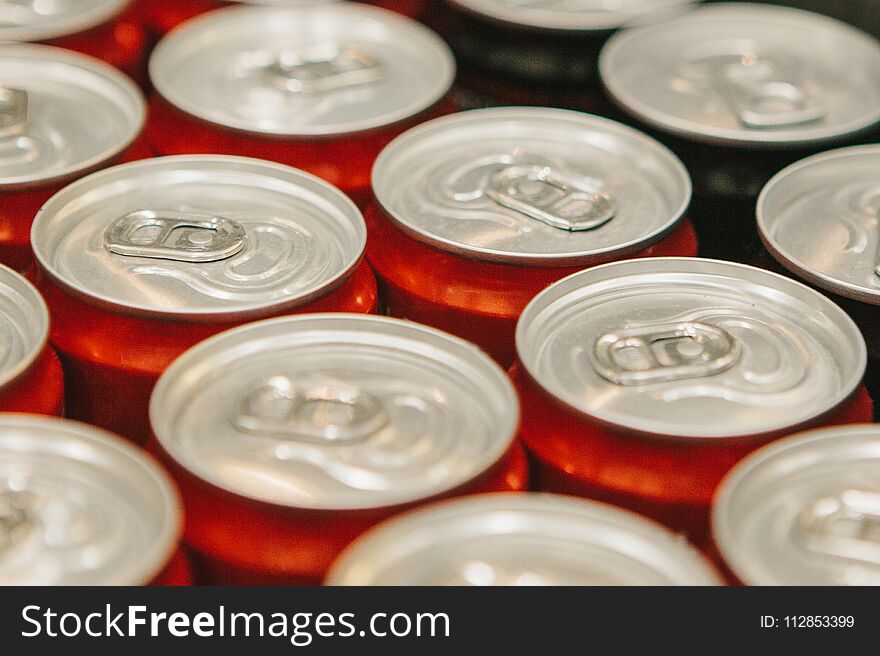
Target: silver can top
<point x="199" y="237"/>
<point x="569" y="15"/>
<point x="61" y="114"/>
<point x="37" y="20"/>
<point x="804" y="510"/>
<point x="24" y="326"/>
<point x="302" y="72"/>
<point x="820" y="218"/>
<point x="521" y="539"/>
<point x="690" y="348"/>
<point x="747" y="75"/>
<point x="79" y="506"/>
<point x="335" y="411"/>
<point x="546" y="187"/>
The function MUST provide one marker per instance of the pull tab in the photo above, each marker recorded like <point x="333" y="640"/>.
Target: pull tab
<point x="13" y="112"/>
<point x="844" y="526"/>
<point x="762" y="95"/>
<point x="15" y="521"/>
<point x="321" y="414"/>
<point x="665" y="352"/>
<point x="540" y="194"/>
<point x="171" y="236"/>
<point x="323" y="68"/>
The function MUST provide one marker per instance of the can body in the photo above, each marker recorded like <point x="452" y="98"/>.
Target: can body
<point x="479" y="301"/>
<point x="296" y="547"/>
<point x="672" y="483"/>
<point x="178" y="573"/>
<point x="111" y="360"/>
<point x="39" y="391"/>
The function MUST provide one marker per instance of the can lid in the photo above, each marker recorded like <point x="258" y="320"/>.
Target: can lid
<point x="804" y="510"/>
<point x="335" y="411"/>
<point x="820" y="218"/>
<point x="24" y="326"/>
<point x="61" y="113"/>
<point x="79" y="506"/>
<point x="534" y="186"/>
<point x="36" y="20"/>
<point x="569" y="15"/>
<point x="521" y="539"/>
<point x="747" y="75"/>
<point x="691" y="348"/>
<point x="203" y="238"/>
<point x="302" y="71"/>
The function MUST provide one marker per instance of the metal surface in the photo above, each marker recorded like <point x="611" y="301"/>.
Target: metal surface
<point x="521" y="539"/>
<point x="710" y="349"/>
<point x="235" y="238"/>
<point x="36" y="20"/>
<point x="302" y="72"/>
<point x="531" y="186"/>
<point x="805" y="510"/>
<point x="335" y="411"/>
<point x="24" y="326"/>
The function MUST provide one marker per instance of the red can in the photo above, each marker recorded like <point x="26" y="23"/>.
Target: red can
<point x="81" y="507"/>
<point x="292" y="436"/>
<point x="62" y="115"/>
<point x="478" y="212"/>
<point x="30" y="374"/>
<point x="323" y="88"/>
<point x="803" y="511"/>
<point x="107" y="29"/>
<point x="643" y="382"/>
<point x="142" y="261"/>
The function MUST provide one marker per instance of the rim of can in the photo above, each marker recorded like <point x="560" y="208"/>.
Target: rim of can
<point x="760" y="14"/>
<point x="831" y="454"/>
<point x="93" y="14"/>
<point x="104" y="449"/>
<point x="115" y="88"/>
<point x="549" y="518"/>
<point x="36" y="337"/>
<point x="599" y="19"/>
<point x="207" y="27"/>
<point x="549" y="303"/>
<point x="417" y="139"/>
<point x="795" y="264"/>
<point x="418" y="346"/>
<point x="345" y="215"/>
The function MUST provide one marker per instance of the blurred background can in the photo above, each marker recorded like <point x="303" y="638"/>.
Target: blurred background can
<point x="320" y="88"/>
<point x="478" y="212"/>
<point x="292" y="436"/>
<point x="62" y="115"/>
<point x="140" y="262"/>
<point x="643" y="382"/>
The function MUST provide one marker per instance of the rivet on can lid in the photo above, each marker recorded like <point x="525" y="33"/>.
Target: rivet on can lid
<point x="804" y="510"/>
<point x="686" y="348"/>
<point x="531" y="186"/>
<point x="34" y="20"/>
<point x="335" y="411"/>
<point x="747" y="75"/>
<point x="820" y="218"/>
<point x="520" y="539"/>
<point x="302" y="71"/>
<point x="236" y="238"/>
<point x="79" y="506"/>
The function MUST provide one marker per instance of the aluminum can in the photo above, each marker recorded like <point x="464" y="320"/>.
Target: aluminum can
<point x="804" y="511"/>
<point x="106" y="29"/>
<point x="322" y="88"/>
<point x="521" y="540"/>
<point x="740" y="91"/>
<point x="62" y="115"/>
<point x="477" y="212"/>
<point x="30" y="374"/>
<point x="535" y="53"/>
<point x="81" y="507"/>
<point x="643" y="382"/>
<point x="290" y="437"/>
<point x="142" y="261"/>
